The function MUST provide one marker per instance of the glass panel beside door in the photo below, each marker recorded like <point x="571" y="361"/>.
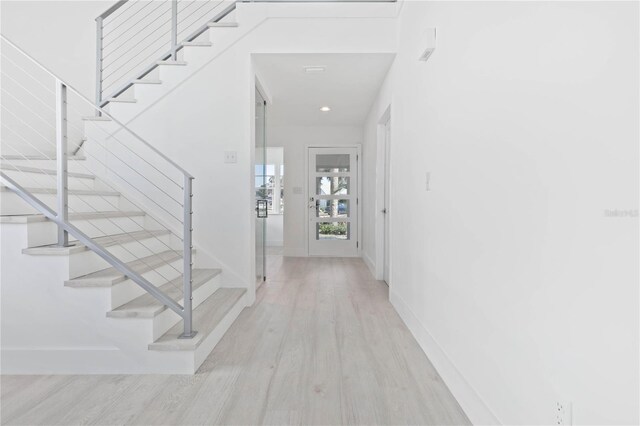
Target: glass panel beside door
<point x="260" y="200"/>
<point x="333" y="212"/>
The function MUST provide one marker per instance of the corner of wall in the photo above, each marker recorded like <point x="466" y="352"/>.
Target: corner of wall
<point x="472" y="404"/>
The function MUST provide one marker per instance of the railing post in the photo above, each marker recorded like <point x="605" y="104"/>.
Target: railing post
<point x="188" y="263"/>
<point x="98" y="62"/>
<point x="61" y="161"/>
<point x="174" y="29"/>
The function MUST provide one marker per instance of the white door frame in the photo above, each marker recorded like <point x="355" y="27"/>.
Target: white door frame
<point x="358" y="148"/>
<point x="381" y="151"/>
<point x="386" y="211"/>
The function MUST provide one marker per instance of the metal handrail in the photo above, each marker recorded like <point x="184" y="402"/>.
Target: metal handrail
<point x="66" y="227"/>
<point x="172" y="52"/>
<point x="102" y="111"/>
<point x="61" y="214"/>
<point x="103" y="99"/>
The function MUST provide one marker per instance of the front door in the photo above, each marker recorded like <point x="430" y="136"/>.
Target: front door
<point x="333" y="201"/>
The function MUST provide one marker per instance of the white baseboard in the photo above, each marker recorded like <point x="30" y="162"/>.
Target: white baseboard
<point x="369" y="263"/>
<point x="472" y="404"/>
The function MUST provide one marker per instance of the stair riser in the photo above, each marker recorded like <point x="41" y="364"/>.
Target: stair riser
<point x="78" y="166"/>
<point x="207" y="346"/>
<point x="167" y="319"/>
<point x="155" y="327"/>
<point x="124" y="112"/>
<point x="171" y="75"/>
<point x="41" y="180"/>
<point x="12" y="204"/>
<point x="128" y="290"/>
<point x="45" y="233"/>
<point x="146" y="94"/>
<point x="88" y="262"/>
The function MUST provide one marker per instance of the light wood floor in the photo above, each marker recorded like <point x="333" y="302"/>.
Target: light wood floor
<point x="322" y="345"/>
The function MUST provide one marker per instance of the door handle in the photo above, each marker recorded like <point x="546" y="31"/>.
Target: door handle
<point x="384" y="211"/>
<point x="261" y="209"/>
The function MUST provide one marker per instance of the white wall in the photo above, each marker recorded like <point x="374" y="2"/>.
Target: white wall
<point x="373" y="155"/>
<point x="59" y="34"/>
<point x="211" y="112"/>
<point x="295" y="140"/>
<point x="509" y="273"/>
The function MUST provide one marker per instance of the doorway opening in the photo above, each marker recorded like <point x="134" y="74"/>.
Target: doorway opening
<point x="333" y="201"/>
<point x="386" y="211"/>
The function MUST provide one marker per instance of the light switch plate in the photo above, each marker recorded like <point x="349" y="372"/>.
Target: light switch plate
<point x="230" y="156"/>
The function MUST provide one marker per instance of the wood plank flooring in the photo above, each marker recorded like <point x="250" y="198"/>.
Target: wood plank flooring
<point x="322" y="345"/>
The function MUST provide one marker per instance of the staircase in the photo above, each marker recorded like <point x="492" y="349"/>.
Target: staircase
<point x="97" y="251"/>
<point x="168" y="36"/>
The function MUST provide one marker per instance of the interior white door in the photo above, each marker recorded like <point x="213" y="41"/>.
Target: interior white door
<point x="387" y="196"/>
<point x="333" y="202"/>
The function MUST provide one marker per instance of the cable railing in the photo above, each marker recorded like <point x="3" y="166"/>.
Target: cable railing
<point x="133" y="36"/>
<point x="72" y="162"/>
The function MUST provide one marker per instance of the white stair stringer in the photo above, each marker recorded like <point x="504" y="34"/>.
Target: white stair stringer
<point x="66" y="310"/>
<point x="101" y="322"/>
<point x="219" y="37"/>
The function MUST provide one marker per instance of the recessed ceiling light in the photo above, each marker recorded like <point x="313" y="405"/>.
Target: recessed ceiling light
<point x="311" y="69"/>
<point x="325" y="109"/>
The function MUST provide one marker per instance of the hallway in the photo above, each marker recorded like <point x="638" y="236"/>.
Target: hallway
<point x="321" y="345"/>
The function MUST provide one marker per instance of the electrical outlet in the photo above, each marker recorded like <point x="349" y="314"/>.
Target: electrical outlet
<point x="563" y="413"/>
<point x="230" y="157"/>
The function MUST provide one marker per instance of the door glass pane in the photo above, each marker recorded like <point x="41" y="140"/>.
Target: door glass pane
<point x="332" y="208"/>
<point x="260" y="185"/>
<point x="334" y="185"/>
<point x="333" y="231"/>
<point x="332" y="162"/>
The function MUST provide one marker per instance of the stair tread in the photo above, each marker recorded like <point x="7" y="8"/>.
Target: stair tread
<point x="197" y="43"/>
<point x="222" y="24"/>
<point x="171" y="63"/>
<point x="206" y="318"/>
<point x="123" y="101"/>
<point x="111" y="276"/>
<point x="96" y="118"/>
<point x="104" y="241"/>
<point x="71" y="191"/>
<point x="147" y="81"/>
<point x="147" y="306"/>
<point x="14" y="167"/>
<point x="40" y="157"/>
<point x="31" y="218"/>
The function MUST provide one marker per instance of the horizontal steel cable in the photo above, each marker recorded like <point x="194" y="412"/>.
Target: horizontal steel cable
<point x="124" y="10"/>
<point x="137" y="45"/>
<point x="106" y="45"/>
<point x="136" y="42"/>
<point x="112" y="136"/>
<point x="110" y="220"/>
<point x="124" y="162"/>
<point x="98" y="160"/>
<point x="108" y="22"/>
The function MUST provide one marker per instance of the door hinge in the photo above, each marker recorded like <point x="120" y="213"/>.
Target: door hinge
<point x="357" y="244"/>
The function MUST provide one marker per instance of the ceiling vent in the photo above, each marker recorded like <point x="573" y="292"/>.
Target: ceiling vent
<point x="314" y="69"/>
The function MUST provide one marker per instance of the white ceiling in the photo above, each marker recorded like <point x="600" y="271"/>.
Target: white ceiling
<point x="348" y="86"/>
